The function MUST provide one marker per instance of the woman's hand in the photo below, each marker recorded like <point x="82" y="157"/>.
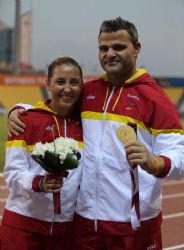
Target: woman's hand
<point x="15" y="125"/>
<point x="52" y="184"/>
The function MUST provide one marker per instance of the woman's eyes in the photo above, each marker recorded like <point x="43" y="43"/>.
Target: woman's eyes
<point x="72" y="82"/>
<point x="60" y="82"/>
<point x="75" y="82"/>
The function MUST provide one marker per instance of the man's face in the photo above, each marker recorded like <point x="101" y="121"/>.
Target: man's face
<point x="117" y="54"/>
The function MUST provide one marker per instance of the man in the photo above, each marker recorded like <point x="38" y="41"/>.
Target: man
<point x="109" y="190"/>
<point x="124" y="94"/>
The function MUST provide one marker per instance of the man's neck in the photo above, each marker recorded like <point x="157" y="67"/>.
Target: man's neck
<point x="118" y="80"/>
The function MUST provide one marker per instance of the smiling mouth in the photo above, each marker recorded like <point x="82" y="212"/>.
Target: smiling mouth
<point x="66" y="98"/>
<point x="112" y="63"/>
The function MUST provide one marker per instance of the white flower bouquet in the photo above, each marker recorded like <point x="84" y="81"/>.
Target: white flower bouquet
<point x="60" y="155"/>
<point x="56" y="158"/>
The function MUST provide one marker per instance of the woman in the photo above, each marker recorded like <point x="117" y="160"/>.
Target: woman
<point x="29" y="221"/>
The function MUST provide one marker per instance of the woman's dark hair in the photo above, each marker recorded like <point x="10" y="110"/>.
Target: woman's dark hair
<point x="63" y="60"/>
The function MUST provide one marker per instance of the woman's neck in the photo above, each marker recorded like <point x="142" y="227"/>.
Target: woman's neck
<point x="61" y="112"/>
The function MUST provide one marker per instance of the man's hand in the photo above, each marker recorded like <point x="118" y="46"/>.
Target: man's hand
<point x="15" y="125"/>
<point x="138" y="154"/>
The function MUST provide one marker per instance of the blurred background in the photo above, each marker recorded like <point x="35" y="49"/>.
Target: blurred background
<point x="34" y="32"/>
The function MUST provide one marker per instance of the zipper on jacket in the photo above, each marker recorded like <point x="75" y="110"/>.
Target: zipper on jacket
<point x="107" y="103"/>
<point x="103" y="119"/>
<point x="57" y="126"/>
<point x="65" y="127"/>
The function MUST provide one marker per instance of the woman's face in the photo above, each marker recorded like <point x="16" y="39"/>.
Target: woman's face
<point x="65" y="87"/>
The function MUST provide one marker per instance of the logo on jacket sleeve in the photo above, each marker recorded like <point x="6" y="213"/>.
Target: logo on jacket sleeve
<point x="90" y="97"/>
<point x="133" y="97"/>
<point x="132" y="101"/>
<point x="50" y="127"/>
<point x="152" y="247"/>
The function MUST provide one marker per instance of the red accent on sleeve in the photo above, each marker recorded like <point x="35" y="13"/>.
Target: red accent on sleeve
<point x="35" y="183"/>
<point x="167" y="166"/>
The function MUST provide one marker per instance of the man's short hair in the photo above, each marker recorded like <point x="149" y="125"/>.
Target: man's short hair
<point x="118" y="23"/>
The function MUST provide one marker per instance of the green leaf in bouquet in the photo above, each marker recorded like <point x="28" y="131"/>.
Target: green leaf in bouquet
<point x="39" y="159"/>
<point x="51" y="161"/>
<point x="71" y="161"/>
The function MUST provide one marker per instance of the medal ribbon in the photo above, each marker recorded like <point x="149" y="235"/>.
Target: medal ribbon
<point x="135" y="208"/>
<point x="56" y="196"/>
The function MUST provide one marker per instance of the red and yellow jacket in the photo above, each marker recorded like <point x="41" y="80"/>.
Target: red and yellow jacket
<point x="25" y="208"/>
<point x="105" y="193"/>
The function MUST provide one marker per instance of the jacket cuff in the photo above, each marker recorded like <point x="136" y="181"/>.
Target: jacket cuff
<point x="167" y="166"/>
<point x="36" y="184"/>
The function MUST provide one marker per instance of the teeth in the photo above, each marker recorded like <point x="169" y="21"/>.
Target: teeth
<point x="66" y="97"/>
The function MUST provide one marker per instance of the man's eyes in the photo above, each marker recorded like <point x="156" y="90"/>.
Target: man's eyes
<point x="119" y="47"/>
<point x="115" y="48"/>
<point x="103" y="49"/>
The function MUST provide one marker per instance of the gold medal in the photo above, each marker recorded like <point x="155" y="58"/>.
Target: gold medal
<point x="126" y="134"/>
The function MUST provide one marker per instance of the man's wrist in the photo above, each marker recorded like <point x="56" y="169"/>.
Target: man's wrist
<point x="156" y="166"/>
